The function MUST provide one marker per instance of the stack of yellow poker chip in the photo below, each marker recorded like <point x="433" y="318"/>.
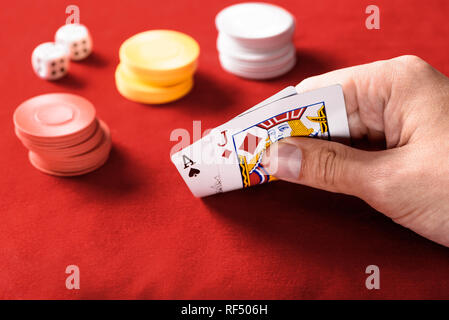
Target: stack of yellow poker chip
<point x="157" y="66"/>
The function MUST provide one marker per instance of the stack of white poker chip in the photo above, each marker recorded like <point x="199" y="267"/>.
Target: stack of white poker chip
<point x="255" y="40"/>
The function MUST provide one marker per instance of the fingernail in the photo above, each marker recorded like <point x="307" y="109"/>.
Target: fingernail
<point x="283" y="160"/>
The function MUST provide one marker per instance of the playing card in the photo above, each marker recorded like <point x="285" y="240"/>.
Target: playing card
<point x="205" y="151"/>
<point x="230" y="156"/>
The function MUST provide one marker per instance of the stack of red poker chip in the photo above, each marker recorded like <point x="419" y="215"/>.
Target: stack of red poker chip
<point x="62" y="134"/>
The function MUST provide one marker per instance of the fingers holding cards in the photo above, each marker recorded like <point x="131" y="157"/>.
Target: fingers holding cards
<point x="230" y="157"/>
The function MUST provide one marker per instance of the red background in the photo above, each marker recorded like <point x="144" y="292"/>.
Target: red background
<point x="133" y="227"/>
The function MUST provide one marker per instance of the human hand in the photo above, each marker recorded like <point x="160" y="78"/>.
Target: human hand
<point x="401" y="106"/>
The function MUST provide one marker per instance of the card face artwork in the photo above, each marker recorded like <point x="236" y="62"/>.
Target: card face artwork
<point x="230" y="156"/>
<point x="250" y="144"/>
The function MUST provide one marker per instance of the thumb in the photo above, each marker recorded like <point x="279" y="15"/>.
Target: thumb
<point x="325" y="165"/>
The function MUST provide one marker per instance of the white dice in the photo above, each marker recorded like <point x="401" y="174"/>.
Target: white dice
<point x="50" y="60"/>
<point x="76" y="38"/>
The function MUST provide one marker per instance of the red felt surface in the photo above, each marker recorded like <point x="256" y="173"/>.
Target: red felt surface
<point x="133" y="227"/>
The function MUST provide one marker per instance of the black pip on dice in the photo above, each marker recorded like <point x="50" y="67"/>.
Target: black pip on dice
<point x="76" y="38"/>
<point x="50" y="61"/>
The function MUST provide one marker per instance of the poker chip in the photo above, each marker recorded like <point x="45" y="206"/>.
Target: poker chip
<point x="137" y="90"/>
<point x="228" y="47"/>
<point x="157" y="66"/>
<point x="160" y="57"/>
<point x="77" y="163"/>
<point x="255" y="40"/>
<point x="54" y="115"/>
<point x="62" y="134"/>
<point x="264" y="66"/>
<point x="260" y="75"/>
